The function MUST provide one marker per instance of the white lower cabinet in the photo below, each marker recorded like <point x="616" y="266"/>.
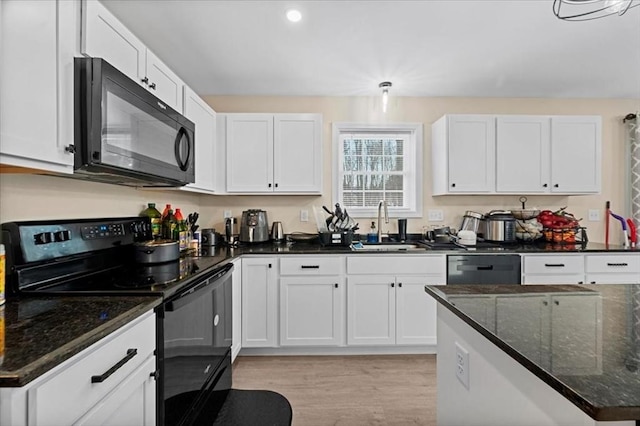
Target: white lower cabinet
<point x="385" y="309"/>
<point x="311" y="311"/>
<point x="259" y="302"/>
<point x="110" y="383"/>
<point x="312" y="294"/>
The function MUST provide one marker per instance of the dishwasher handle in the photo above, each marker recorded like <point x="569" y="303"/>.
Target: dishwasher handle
<point x="485" y="268"/>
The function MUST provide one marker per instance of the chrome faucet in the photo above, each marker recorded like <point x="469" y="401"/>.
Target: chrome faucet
<point x="386" y="217"/>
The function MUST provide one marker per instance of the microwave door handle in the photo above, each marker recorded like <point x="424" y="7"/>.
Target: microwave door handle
<point x="184" y="165"/>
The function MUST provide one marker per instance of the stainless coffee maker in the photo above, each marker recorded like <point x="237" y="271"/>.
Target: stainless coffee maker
<point x="254" y="226"/>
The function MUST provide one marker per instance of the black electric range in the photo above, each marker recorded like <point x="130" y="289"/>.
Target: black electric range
<point x="95" y="257"/>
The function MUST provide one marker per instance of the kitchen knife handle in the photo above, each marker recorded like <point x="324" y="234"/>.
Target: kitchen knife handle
<point x="104" y="376"/>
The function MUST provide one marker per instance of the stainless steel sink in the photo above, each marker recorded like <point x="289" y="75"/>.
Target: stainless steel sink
<point x="385" y="247"/>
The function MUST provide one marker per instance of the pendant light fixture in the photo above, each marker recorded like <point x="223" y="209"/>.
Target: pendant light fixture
<point x="385" y="85"/>
<point x="587" y="10"/>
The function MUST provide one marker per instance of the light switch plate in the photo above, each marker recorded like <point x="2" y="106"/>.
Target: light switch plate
<point x="227" y="214"/>
<point x="304" y="215"/>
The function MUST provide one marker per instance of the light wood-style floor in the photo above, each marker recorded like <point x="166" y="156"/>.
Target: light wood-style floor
<point x="347" y="390"/>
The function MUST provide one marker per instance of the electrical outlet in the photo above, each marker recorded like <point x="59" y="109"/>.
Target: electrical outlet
<point x="594" y="215"/>
<point x="227" y="214"/>
<point x="462" y="365"/>
<point x="435" y="215"/>
<point x="304" y="215"/>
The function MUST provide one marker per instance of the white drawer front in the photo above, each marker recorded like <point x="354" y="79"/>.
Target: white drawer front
<point x="424" y="265"/>
<point x="611" y="263"/>
<point x="72" y="382"/>
<point x="321" y="265"/>
<point x="558" y="264"/>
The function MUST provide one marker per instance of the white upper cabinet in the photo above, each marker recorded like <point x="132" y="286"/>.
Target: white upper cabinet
<point x="104" y="36"/>
<point x="516" y="154"/>
<point x="523" y="154"/>
<point x="274" y="153"/>
<point x="463" y="154"/>
<point x="204" y="117"/>
<point x="575" y="154"/>
<point x="37" y="43"/>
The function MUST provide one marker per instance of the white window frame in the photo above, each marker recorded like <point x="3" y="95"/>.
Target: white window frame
<point x="412" y="193"/>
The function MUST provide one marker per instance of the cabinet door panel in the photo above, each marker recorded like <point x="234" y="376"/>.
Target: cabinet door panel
<point x="471" y="153"/>
<point x="576" y="350"/>
<point x="297" y="153"/>
<point x="371" y="310"/>
<point x="132" y="403"/>
<point x="104" y="36"/>
<point x="163" y="82"/>
<point x="515" y="327"/>
<point x="259" y="303"/>
<point x="37" y="63"/>
<point x="311" y="311"/>
<point x="522" y="149"/>
<point x="250" y="153"/>
<point x="575" y="154"/>
<point x="415" y="313"/>
<point x="196" y="110"/>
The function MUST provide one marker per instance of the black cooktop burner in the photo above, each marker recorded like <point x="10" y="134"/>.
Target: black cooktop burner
<point x="134" y="278"/>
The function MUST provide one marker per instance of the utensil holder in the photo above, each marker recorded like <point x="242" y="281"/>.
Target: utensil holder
<point x="344" y="238"/>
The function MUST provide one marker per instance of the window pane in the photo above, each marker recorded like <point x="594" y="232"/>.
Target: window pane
<point x="374" y="182"/>
<point x="372" y="164"/>
<point x="352" y="147"/>
<point x="371" y="199"/>
<point x="395" y="199"/>
<point x="352" y="163"/>
<point x="352" y="182"/>
<point x="373" y="146"/>
<point x="352" y="199"/>
<point x="393" y="164"/>
<point x="394" y="182"/>
<point x="394" y="147"/>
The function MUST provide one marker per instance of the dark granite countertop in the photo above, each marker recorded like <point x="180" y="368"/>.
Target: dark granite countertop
<point x="42" y="332"/>
<point x="590" y="352"/>
<point x="317" y="248"/>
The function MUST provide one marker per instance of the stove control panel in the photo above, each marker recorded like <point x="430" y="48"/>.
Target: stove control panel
<point x="103" y="230"/>
<point x="38" y="241"/>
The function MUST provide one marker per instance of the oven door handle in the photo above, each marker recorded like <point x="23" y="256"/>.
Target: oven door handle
<point x="192" y="293"/>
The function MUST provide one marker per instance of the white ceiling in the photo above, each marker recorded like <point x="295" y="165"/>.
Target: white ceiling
<point x="477" y="48"/>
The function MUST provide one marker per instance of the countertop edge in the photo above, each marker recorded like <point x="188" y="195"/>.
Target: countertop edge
<point x="596" y="413"/>
<point x="41" y="366"/>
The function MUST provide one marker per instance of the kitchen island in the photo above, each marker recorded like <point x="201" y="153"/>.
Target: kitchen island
<point x="538" y="355"/>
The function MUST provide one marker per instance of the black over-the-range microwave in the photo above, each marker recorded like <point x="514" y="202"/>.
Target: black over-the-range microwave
<point x="126" y="135"/>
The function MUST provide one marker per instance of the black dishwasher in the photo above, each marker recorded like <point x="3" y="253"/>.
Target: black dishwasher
<point x="483" y="269"/>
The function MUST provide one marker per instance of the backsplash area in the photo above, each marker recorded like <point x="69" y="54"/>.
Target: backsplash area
<point x="30" y="197"/>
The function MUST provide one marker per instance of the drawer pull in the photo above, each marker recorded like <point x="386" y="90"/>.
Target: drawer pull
<point x="310" y="266"/>
<point x="554" y="265"/>
<point x="617" y="264"/>
<point x="104" y="376"/>
<point x="485" y="268"/>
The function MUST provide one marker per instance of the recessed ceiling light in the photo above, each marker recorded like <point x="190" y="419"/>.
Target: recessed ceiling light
<point x="294" y="15"/>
